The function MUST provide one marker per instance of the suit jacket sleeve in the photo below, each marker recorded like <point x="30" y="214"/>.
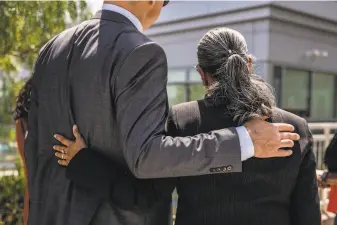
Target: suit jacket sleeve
<point x="305" y="207"/>
<point x="141" y="106"/>
<point x="93" y="170"/>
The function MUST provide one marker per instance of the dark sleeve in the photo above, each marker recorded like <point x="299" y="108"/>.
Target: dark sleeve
<point x="91" y="169"/>
<point x="305" y="206"/>
<point x="31" y="141"/>
<point x="141" y="107"/>
<point x="330" y="158"/>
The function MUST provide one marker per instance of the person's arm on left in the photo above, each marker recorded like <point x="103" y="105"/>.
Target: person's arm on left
<point x="31" y="141"/>
<point x="304" y="202"/>
<point x="20" y="142"/>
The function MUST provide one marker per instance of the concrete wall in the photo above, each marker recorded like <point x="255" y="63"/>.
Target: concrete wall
<point x="275" y="35"/>
<point x="178" y="10"/>
<point x="288" y="44"/>
<point x="323" y="9"/>
<point x="181" y="47"/>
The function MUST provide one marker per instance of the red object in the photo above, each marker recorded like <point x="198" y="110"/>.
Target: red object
<point x="332" y="206"/>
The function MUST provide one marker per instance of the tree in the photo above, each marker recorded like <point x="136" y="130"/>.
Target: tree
<point x="26" y="25"/>
<point x="8" y="92"/>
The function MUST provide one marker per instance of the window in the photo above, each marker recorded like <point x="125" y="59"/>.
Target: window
<point x="184" y="85"/>
<point x="335" y="103"/>
<point x="312" y="95"/>
<point x="176" y="90"/>
<point x="194" y="76"/>
<point x="323" y="97"/>
<point x="176" y="94"/>
<point x="197" y="91"/>
<point x="295" y="92"/>
<point x="278" y="84"/>
<point x="176" y="76"/>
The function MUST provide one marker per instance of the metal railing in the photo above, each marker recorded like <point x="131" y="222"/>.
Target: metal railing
<point x="322" y="134"/>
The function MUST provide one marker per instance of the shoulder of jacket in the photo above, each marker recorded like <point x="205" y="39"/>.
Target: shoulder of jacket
<point x="186" y="114"/>
<point x="283" y="116"/>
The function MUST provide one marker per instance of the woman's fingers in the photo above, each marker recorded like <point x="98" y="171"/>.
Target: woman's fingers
<point x="69" y="149"/>
<point x="58" y="148"/>
<point x="63" y="140"/>
<point x="63" y="162"/>
<point x="61" y="156"/>
<point x="80" y="143"/>
<point x="76" y="132"/>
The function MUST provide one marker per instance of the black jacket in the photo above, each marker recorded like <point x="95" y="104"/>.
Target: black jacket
<point x="330" y="157"/>
<point x="277" y="191"/>
<point x="110" y="79"/>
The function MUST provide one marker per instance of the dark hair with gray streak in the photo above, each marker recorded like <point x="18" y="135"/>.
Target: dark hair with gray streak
<point x="223" y="54"/>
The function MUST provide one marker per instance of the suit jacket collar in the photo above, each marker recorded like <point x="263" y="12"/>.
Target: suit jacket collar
<point x="113" y="16"/>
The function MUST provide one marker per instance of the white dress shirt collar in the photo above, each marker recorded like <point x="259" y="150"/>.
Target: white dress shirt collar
<point x="125" y="13"/>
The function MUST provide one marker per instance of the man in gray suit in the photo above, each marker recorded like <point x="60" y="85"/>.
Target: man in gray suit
<point x="110" y="79"/>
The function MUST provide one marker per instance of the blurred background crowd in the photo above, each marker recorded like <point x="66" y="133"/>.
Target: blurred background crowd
<point x="294" y="43"/>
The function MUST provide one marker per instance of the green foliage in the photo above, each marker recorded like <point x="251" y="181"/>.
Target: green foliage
<point x="12" y="198"/>
<point x="8" y="91"/>
<point x="26" y="25"/>
<point x="177" y="93"/>
<point x="197" y="91"/>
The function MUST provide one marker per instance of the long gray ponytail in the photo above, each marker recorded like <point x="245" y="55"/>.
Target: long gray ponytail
<point x="223" y="53"/>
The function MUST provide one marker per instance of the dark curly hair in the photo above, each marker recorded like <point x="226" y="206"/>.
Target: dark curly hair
<point x="22" y="101"/>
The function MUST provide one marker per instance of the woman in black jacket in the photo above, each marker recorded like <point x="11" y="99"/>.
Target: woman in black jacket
<point x="330" y="160"/>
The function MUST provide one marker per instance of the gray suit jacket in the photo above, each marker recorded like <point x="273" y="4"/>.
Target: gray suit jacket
<point x="110" y="79"/>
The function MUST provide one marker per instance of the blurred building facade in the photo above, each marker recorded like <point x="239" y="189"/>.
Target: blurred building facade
<point x="295" y="44"/>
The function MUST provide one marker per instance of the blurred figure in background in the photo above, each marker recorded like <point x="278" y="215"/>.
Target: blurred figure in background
<point x="330" y="160"/>
<point x="21" y="117"/>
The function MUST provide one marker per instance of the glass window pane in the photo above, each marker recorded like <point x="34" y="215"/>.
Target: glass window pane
<point x="335" y="103"/>
<point x="194" y="76"/>
<point x="174" y="202"/>
<point x="176" y="94"/>
<point x="295" y="92"/>
<point x="322" y="104"/>
<point x="176" y="76"/>
<point x="278" y="84"/>
<point x="197" y="91"/>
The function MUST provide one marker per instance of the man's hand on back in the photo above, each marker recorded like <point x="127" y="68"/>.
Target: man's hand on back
<point x="269" y="138"/>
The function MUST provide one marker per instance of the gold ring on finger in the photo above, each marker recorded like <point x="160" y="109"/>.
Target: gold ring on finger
<point x="62" y="156"/>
